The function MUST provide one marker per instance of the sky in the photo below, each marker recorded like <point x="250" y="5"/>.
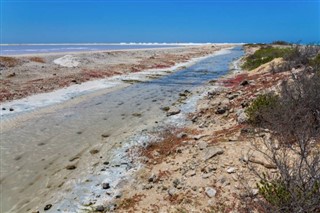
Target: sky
<point x="105" y="21"/>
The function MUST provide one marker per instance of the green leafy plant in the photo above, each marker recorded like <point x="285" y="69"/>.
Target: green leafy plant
<point x="259" y="105"/>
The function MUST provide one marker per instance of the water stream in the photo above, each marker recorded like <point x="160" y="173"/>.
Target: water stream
<point x="36" y="151"/>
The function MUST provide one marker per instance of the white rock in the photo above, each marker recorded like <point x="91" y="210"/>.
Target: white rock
<point x="67" y="61"/>
<point x="231" y="170"/>
<point x="210" y="192"/>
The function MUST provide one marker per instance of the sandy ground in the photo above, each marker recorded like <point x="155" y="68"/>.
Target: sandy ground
<point x="25" y="75"/>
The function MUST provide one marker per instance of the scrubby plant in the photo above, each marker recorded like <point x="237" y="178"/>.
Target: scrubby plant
<point x="279" y="42"/>
<point x="264" y="55"/>
<point x="256" y="109"/>
<point x="301" y="55"/>
<point x="315" y="63"/>
<point x="293" y="146"/>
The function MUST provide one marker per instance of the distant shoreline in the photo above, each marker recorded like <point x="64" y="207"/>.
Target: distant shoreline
<point x="123" y="43"/>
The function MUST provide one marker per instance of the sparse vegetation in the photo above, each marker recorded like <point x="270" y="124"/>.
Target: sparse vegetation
<point x="263" y="55"/>
<point x="37" y="59"/>
<point x="293" y="145"/>
<point x="9" y="62"/>
<point x="256" y="110"/>
<point x="280" y="42"/>
<point x="130" y="203"/>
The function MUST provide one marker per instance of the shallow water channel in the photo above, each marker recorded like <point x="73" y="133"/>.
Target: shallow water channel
<point x="36" y="151"/>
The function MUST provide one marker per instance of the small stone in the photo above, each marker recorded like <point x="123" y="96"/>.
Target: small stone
<point x="202" y="145"/>
<point x="210" y="192"/>
<point x="147" y="186"/>
<point x="242" y="116"/>
<point x="231" y="170"/>
<point x="173" y="111"/>
<point x="106" y="186"/>
<point x="119" y="195"/>
<point x="191" y="173"/>
<point x="212" y="152"/>
<point x="255" y="192"/>
<point x="105" y="135"/>
<point x="207" y="175"/>
<point x="100" y="208"/>
<point x="152" y="178"/>
<point x="244" y="83"/>
<point x="171" y="191"/>
<point x="71" y="167"/>
<point x="47" y="207"/>
<point x="182" y="135"/>
<point x="221" y="110"/>
<point x="176" y="182"/>
<point x="94" y="151"/>
<point x="11" y="109"/>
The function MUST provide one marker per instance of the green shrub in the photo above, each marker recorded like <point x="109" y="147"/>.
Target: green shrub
<point x="315" y="63"/>
<point x="264" y="55"/>
<point x="280" y="42"/>
<point x="259" y="105"/>
<point x="274" y="192"/>
<point x="285" y="198"/>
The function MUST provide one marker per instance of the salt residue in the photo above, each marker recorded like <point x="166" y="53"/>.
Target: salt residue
<point x="67" y="61"/>
<point x="58" y="96"/>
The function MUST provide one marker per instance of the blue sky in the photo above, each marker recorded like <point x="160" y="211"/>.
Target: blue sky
<point x="65" y="21"/>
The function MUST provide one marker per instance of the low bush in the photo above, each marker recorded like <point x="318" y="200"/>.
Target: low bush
<point x="315" y="63"/>
<point x="258" y="107"/>
<point x="279" y="42"/>
<point x="293" y="120"/>
<point x="264" y="55"/>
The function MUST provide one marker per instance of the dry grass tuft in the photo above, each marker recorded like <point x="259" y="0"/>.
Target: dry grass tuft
<point x="9" y="62"/>
<point x="37" y="59"/>
<point x="156" y="151"/>
<point x="130" y="203"/>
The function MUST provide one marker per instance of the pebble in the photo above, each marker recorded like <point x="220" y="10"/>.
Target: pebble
<point x="231" y="170"/>
<point x="119" y="195"/>
<point x="171" y="191"/>
<point x="105" y="135"/>
<point x="47" y="207"/>
<point x="152" y="178"/>
<point x="182" y="135"/>
<point x="205" y="176"/>
<point x="147" y="186"/>
<point x="210" y="192"/>
<point x="106" y="186"/>
<point x="202" y="145"/>
<point x="191" y="173"/>
<point x="173" y="111"/>
<point x="71" y="167"/>
<point x="100" y="208"/>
